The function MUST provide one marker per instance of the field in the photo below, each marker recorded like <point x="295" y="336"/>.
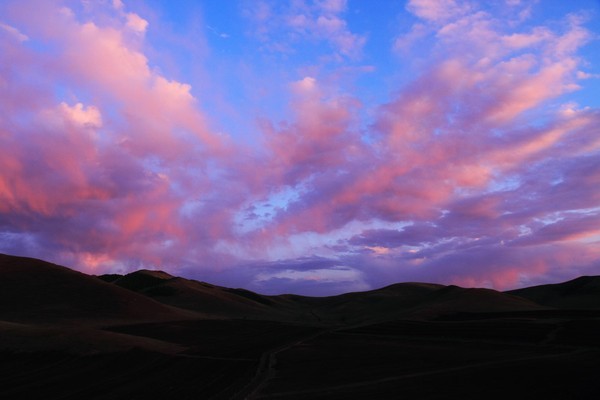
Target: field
<point x="484" y="356"/>
<point x="483" y="359"/>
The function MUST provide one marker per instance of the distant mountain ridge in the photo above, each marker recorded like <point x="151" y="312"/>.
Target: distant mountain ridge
<point x="34" y="289"/>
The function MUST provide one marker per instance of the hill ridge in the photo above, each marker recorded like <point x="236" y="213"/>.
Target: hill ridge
<point x="164" y="293"/>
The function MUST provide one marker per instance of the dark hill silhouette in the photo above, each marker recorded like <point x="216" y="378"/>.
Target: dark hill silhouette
<point x="37" y="291"/>
<point x="110" y="277"/>
<point x="210" y="300"/>
<point x="402" y="300"/>
<point x="143" y="279"/>
<point x="411" y="300"/>
<point x="579" y="293"/>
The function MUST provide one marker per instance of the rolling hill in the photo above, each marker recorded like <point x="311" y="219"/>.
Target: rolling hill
<point x="35" y="291"/>
<point x="579" y="293"/>
<point x="412" y="301"/>
<point x="38" y="291"/>
<point x="402" y="300"/>
<point x="210" y="300"/>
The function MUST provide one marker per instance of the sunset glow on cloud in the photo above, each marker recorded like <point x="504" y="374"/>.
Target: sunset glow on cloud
<point x="314" y="147"/>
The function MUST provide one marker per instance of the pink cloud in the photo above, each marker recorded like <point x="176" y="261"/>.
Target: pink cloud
<point x="14" y="32"/>
<point x="79" y="115"/>
<point x="318" y="138"/>
<point x="75" y="159"/>
<point x="137" y="23"/>
<point x="333" y="6"/>
<point x="281" y="28"/>
<point x="438" y="10"/>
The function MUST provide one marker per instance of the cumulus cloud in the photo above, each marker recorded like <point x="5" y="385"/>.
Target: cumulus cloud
<point x="105" y="180"/>
<point x="137" y="23"/>
<point x="87" y="117"/>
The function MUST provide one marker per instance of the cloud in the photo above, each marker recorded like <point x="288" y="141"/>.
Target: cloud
<point x="333" y="6"/>
<point x="118" y="4"/>
<point x="105" y="179"/>
<point x="412" y="235"/>
<point x="478" y="170"/>
<point x="438" y="10"/>
<point x="304" y="274"/>
<point x="283" y="28"/>
<point x="87" y="117"/>
<point x="14" y="32"/>
<point x="137" y="23"/>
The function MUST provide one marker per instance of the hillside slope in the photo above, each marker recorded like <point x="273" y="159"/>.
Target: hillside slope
<point x="414" y="300"/>
<point x="32" y="290"/>
<point x="579" y="293"/>
<point x="210" y="300"/>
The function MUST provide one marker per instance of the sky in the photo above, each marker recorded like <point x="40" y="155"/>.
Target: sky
<point x="305" y="146"/>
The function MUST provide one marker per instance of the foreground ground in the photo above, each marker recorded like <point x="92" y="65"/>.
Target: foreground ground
<point x="493" y="356"/>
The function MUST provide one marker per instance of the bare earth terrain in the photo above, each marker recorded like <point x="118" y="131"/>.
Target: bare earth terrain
<point x="146" y="335"/>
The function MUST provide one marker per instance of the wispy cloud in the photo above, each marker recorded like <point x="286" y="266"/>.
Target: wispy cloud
<point x="282" y="26"/>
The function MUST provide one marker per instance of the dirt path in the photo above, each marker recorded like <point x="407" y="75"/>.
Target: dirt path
<point x="266" y="368"/>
